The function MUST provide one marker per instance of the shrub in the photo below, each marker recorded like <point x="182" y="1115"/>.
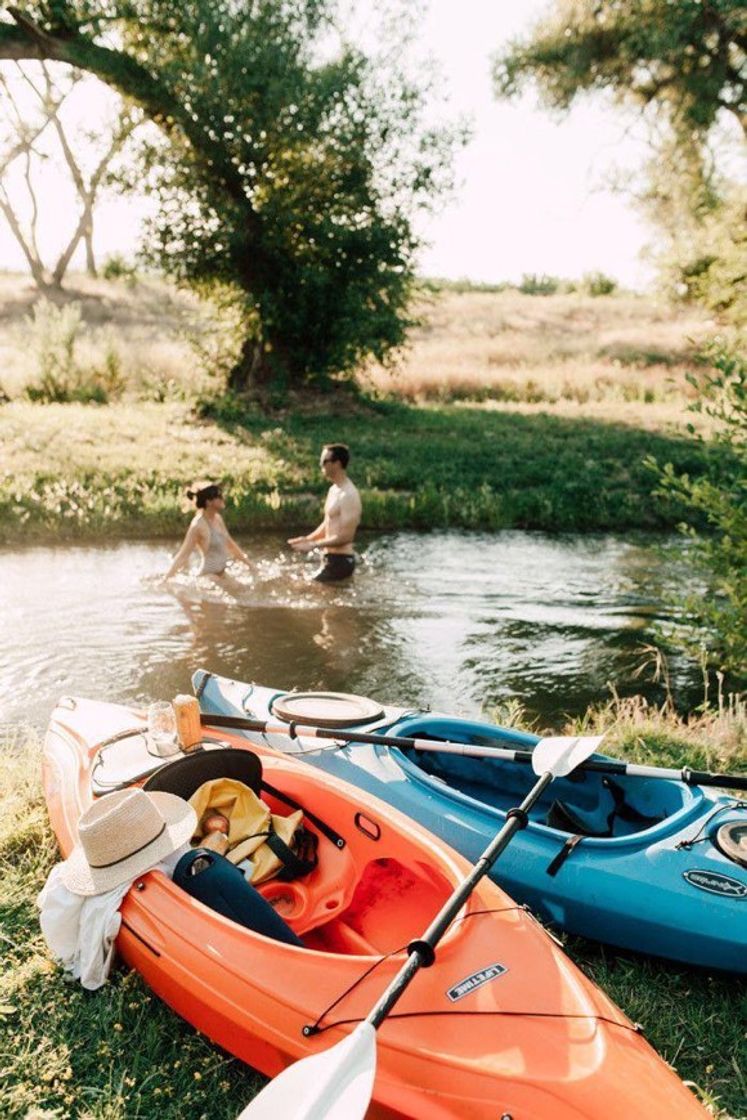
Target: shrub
<point x="117" y="268"/>
<point x="539" y="285"/>
<point x="718" y="621"/>
<point x="597" y="284"/>
<point x="54" y="335"/>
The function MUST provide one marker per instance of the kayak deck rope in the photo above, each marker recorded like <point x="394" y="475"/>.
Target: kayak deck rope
<point x="318" y="1027"/>
<point x="699" y="837"/>
<point x="634" y="1028"/>
<point x="315" y="1028"/>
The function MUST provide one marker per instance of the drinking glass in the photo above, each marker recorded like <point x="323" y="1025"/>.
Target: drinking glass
<point x="162" y="729"/>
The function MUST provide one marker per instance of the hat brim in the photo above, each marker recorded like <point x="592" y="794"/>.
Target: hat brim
<point x="180" y="821"/>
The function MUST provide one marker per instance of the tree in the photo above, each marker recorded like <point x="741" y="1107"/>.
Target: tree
<point x="701" y="217"/>
<point x="718" y="619"/>
<point x="293" y="172"/>
<point x="25" y="128"/>
<point x="684" y="65"/>
<point x="688" y="58"/>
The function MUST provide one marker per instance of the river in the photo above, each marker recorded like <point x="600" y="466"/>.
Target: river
<point x="458" y="621"/>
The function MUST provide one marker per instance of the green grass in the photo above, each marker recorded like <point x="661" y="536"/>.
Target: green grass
<point x="120" y="1054"/>
<point x="72" y="470"/>
<point x="503" y="410"/>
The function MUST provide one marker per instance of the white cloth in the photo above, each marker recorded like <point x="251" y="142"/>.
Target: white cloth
<point x="80" y="930"/>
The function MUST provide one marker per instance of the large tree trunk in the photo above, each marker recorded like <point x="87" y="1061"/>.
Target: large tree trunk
<point x="258" y="366"/>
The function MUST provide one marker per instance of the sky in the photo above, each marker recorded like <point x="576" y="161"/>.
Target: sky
<point x="532" y="193"/>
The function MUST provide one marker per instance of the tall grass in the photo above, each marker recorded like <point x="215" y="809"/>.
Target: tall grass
<point x="475" y="342"/>
<point x="515" y="347"/>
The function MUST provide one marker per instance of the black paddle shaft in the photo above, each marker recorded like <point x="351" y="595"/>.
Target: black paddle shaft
<point x="599" y="765"/>
<point x="422" y="951"/>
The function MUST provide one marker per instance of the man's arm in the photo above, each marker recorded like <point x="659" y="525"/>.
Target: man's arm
<point x="305" y="544"/>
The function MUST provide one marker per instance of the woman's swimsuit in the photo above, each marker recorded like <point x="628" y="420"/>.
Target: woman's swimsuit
<point x="216" y="555"/>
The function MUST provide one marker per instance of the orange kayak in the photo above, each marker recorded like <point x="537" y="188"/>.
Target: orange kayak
<point x="501" y="1027"/>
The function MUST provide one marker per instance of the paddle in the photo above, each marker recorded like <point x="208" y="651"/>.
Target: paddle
<point x="337" y="1084"/>
<point x="604" y="766"/>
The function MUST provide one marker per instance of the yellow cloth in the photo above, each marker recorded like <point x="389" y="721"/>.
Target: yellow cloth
<point x="250" y="820"/>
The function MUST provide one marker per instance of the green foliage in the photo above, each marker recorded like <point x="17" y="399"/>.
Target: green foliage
<point x="534" y="285"/>
<point x="597" y="284"/>
<point x="52" y="336"/>
<point x="439" y="284"/>
<point x="116" y="267"/>
<point x="683" y="64"/>
<point x="686" y="57"/>
<point x="307" y="219"/>
<point x="718" y="617"/>
<point x="706" y="254"/>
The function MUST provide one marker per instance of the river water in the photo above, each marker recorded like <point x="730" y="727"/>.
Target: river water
<point x="458" y="621"/>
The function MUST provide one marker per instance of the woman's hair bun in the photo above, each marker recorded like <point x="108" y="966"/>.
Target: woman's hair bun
<point x="192" y="494"/>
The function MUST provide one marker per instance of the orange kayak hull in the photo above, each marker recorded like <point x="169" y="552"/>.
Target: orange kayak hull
<point x="502" y="1025"/>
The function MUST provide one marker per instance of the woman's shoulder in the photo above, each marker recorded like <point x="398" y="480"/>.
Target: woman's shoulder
<point x="198" y="523"/>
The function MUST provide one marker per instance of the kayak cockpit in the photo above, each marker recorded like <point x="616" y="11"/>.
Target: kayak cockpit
<point x="585" y="803"/>
<point x="367" y="893"/>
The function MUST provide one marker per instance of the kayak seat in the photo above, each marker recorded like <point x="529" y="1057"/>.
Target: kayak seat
<point x="218" y="884"/>
<point x="184" y="776"/>
<point x="562" y="817"/>
<point x="613" y="816"/>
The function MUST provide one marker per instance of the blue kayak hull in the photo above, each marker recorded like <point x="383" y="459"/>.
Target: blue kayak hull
<point x="657" y="885"/>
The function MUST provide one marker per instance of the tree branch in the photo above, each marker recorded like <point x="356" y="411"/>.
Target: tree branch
<point x="122" y="72"/>
<point x="35" y="265"/>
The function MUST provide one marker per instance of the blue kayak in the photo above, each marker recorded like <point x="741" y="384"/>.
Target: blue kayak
<point x="630" y="861"/>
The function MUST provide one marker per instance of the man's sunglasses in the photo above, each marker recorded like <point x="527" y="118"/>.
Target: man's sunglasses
<point x="328" y="459"/>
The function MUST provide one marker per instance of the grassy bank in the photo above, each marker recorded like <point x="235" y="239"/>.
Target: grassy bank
<point x="74" y="471"/>
<point x="505" y="410"/>
<point x="120" y="1054"/>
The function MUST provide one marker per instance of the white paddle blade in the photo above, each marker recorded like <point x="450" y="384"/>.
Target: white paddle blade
<point x="334" y="1085"/>
<point x="562" y="753"/>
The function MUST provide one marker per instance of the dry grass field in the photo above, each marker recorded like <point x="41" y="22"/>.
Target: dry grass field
<point x="623" y="356"/>
<point x="528" y="349"/>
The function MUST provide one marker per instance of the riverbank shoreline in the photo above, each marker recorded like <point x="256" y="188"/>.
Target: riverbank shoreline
<point x="504" y="410"/>
<point x="120" y="1052"/>
<point x="86" y="472"/>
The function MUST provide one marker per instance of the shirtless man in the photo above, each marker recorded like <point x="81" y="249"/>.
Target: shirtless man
<point x="342" y="515"/>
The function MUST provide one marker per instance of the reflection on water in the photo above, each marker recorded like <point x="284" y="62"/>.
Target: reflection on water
<point x="452" y="620"/>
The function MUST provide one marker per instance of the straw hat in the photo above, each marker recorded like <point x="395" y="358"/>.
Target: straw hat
<point x="124" y="834"/>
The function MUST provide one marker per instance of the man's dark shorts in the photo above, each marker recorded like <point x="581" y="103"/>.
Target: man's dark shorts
<point x="335" y="566"/>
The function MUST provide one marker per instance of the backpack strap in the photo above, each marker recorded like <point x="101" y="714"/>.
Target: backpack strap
<point x="337" y="840"/>
<point x="295" y="864"/>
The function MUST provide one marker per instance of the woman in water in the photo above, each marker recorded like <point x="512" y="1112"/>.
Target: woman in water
<point x="208" y="534"/>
